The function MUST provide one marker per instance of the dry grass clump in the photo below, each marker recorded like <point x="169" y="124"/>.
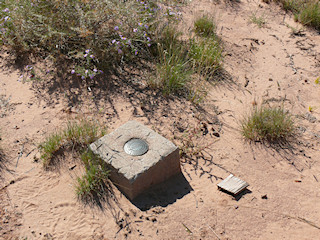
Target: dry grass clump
<point x="271" y="124"/>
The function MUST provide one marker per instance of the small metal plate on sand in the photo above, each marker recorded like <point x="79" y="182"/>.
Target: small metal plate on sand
<point x="136" y="147"/>
<point x="233" y="184"/>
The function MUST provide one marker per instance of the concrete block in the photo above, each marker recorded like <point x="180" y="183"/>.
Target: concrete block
<point x="134" y="174"/>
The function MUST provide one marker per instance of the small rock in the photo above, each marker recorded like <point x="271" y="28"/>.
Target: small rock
<point x="264" y="196"/>
<point x="72" y="167"/>
<point x="216" y="134"/>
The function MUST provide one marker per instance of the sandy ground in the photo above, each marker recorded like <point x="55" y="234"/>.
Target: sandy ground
<point x="268" y="64"/>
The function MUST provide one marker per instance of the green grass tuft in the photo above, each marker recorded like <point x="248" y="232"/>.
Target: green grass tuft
<point x="206" y="55"/>
<point x="310" y="15"/>
<point x="93" y="183"/>
<point x="77" y="135"/>
<point x="173" y="74"/>
<point x="306" y="11"/>
<point x="204" y="27"/>
<point x="50" y="147"/>
<point x="260" y="21"/>
<point x="268" y="124"/>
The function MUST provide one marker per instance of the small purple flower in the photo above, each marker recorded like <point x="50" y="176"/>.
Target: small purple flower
<point x="86" y="72"/>
<point x="140" y="24"/>
<point x="91" y="56"/>
<point x="73" y="71"/>
<point x="6" y="18"/>
<point x="87" y="51"/>
<point x="149" y="44"/>
<point x="119" y="51"/>
<point x="83" y="77"/>
<point x="116" y="28"/>
<point x="29" y="67"/>
<point x="146" y="26"/>
<point x="136" y="53"/>
<point x="123" y="38"/>
<point x="6" y="10"/>
<point x="113" y="41"/>
<point x="91" y="76"/>
<point x="148" y="39"/>
<point x="100" y="71"/>
<point x="95" y="70"/>
<point x="85" y="55"/>
<point x="135" y="30"/>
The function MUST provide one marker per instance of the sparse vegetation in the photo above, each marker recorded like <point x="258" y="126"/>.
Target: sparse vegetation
<point x="259" y="20"/>
<point x="306" y="11"/>
<point x="77" y="136"/>
<point x="271" y="124"/>
<point x="180" y="60"/>
<point x="93" y="183"/>
<point x="173" y="74"/>
<point x="93" y="37"/>
<point x="74" y="136"/>
<point x="206" y="56"/>
<point x="205" y="27"/>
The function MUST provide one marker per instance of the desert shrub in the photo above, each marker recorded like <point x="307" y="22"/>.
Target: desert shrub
<point x="272" y="124"/>
<point x="91" y="35"/>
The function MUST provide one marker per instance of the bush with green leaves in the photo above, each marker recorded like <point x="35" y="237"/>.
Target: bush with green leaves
<point x="271" y="124"/>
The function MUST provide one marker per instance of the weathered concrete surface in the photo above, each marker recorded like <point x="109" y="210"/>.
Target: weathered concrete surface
<point x="134" y="174"/>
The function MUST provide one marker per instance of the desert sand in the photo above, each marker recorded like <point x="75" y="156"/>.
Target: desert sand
<point x="272" y="64"/>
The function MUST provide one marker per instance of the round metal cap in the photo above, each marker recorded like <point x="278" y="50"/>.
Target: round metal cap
<point x="136" y="147"/>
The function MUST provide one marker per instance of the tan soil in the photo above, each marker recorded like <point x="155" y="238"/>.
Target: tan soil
<point x="268" y="64"/>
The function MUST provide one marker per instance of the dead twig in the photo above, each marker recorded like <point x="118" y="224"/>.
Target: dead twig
<point x="187" y="229"/>
<point x="20" y="155"/>
<point x="214" y="232"/>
